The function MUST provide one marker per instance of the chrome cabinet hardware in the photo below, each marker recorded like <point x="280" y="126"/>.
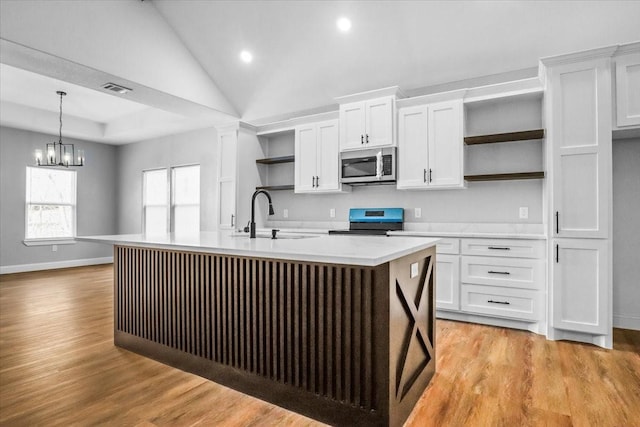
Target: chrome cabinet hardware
<point x="498" y="302"/>
<point x="498" y="272"/>
<point x="500" y="248"/>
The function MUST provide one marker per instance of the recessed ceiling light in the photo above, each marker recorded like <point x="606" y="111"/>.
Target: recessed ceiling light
<point x="246" y="56"/>
<point x="343" y="24"/>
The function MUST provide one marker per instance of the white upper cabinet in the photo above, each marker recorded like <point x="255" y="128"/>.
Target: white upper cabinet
<point x="317" y="158"/>
<point x="367" y="124"/>
<point x="430" y="143"/>
<point x="628" y="89"/>
<point x="579" y="136"/>
<point x="446" y="144"/>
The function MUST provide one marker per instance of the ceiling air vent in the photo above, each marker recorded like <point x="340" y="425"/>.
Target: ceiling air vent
<point x="116" y="88"/>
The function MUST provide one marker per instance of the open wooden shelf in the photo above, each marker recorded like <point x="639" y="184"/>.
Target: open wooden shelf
<point x="504" y="176"/>
<point x="505" y="137"/>
<point x="275" y="187"/>
<point x="275" y="160"/>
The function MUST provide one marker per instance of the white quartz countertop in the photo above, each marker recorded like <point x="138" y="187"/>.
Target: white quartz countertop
<point x="331" y="249"/>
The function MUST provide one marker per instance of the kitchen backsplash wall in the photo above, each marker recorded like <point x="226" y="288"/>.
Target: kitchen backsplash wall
<point x="481" y="202"/>
<point x="96" y="199"/>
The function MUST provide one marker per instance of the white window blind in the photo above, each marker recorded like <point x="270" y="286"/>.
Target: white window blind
<point x="50" y="203"/>
<point x="185" y="199"/>
<point x="155" y="206"/>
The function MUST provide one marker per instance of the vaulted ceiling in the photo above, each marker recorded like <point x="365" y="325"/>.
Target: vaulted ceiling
<point x="182" y="57"/>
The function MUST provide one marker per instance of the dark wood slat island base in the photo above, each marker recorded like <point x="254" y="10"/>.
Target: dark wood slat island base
<point x="345" y="344"/>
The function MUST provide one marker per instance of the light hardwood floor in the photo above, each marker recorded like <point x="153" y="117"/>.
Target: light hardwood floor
<point x="58" y="366"/>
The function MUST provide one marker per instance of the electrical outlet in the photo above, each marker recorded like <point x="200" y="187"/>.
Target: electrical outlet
<point x="285" y="213"/>
<point x="417" y="212"/>
<point x="332" y="213"/>
<point x="414" y="270"/>
<point x="54" y="248"/>
<point x="524" y="212"/>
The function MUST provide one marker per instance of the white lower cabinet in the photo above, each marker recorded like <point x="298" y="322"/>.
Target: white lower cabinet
<point x="494" y="281"/>
<point x="447" y="282"/>
<point x="580" y="290"/>
<point x="508" y="283"/>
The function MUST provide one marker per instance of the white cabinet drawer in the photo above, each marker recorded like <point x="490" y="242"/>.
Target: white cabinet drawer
<point x="504" y="248"/>
<point x="509" y="272"/>
<point x="503" y="302"/>
<point x="448" y="246"/>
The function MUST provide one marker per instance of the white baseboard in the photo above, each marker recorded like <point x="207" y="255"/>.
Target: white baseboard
<point x="626" y="322"/>
<point x="8" y="269"/>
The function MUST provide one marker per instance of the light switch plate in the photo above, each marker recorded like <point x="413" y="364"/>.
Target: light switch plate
<point x="417" y="212"/>
<point x="414" y="270"/>
<point x="524" y="212"/>
<point x="285" y="213"/>
<point x="332" y="213"/>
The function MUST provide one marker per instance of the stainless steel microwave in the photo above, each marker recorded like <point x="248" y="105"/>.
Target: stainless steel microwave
<point x="370" y="166"/>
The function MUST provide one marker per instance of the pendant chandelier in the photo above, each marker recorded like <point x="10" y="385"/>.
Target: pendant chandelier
<point x="57" y="153"/>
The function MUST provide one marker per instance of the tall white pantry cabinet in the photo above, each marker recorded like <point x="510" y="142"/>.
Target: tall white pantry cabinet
<point x="578" y="122"/>
<point x="238" y="149"/>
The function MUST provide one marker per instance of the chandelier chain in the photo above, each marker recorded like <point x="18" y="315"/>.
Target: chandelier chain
<point x="60" y="132"/>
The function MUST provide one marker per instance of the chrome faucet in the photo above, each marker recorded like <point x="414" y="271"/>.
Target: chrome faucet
<point x="252" y="225"/>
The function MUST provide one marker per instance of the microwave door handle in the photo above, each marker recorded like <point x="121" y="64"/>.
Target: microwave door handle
<point x="379" y="165"/>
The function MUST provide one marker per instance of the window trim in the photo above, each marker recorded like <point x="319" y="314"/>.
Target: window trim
<point x="44" y="241"/>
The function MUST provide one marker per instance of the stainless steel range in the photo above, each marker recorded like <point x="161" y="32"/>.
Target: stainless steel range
<point x="373" y="221"/>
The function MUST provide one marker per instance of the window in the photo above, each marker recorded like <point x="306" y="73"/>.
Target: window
<point x="183" y="217"/>
<point x="50" y="204"/>
<point x="155" y="211"/>
<point x="185" y="199"/>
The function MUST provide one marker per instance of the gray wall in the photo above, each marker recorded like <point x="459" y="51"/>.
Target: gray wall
<point x="96" y="198"/>
<point x="626" y="230"/>
<point x="196" y="147"/>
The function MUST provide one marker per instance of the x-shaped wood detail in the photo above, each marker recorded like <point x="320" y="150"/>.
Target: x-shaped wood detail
<point x="404" y="379"/>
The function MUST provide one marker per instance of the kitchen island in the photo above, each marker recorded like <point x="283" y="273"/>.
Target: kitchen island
<point x="338" y="328"/>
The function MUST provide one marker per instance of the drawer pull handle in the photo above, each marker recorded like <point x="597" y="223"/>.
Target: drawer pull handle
<point x="498" y="272"/>
<point x="498" y="302"/>
<point x="500" y="248"/>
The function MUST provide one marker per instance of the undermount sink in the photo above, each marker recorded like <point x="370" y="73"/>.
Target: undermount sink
<point x="283" y="236"/>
